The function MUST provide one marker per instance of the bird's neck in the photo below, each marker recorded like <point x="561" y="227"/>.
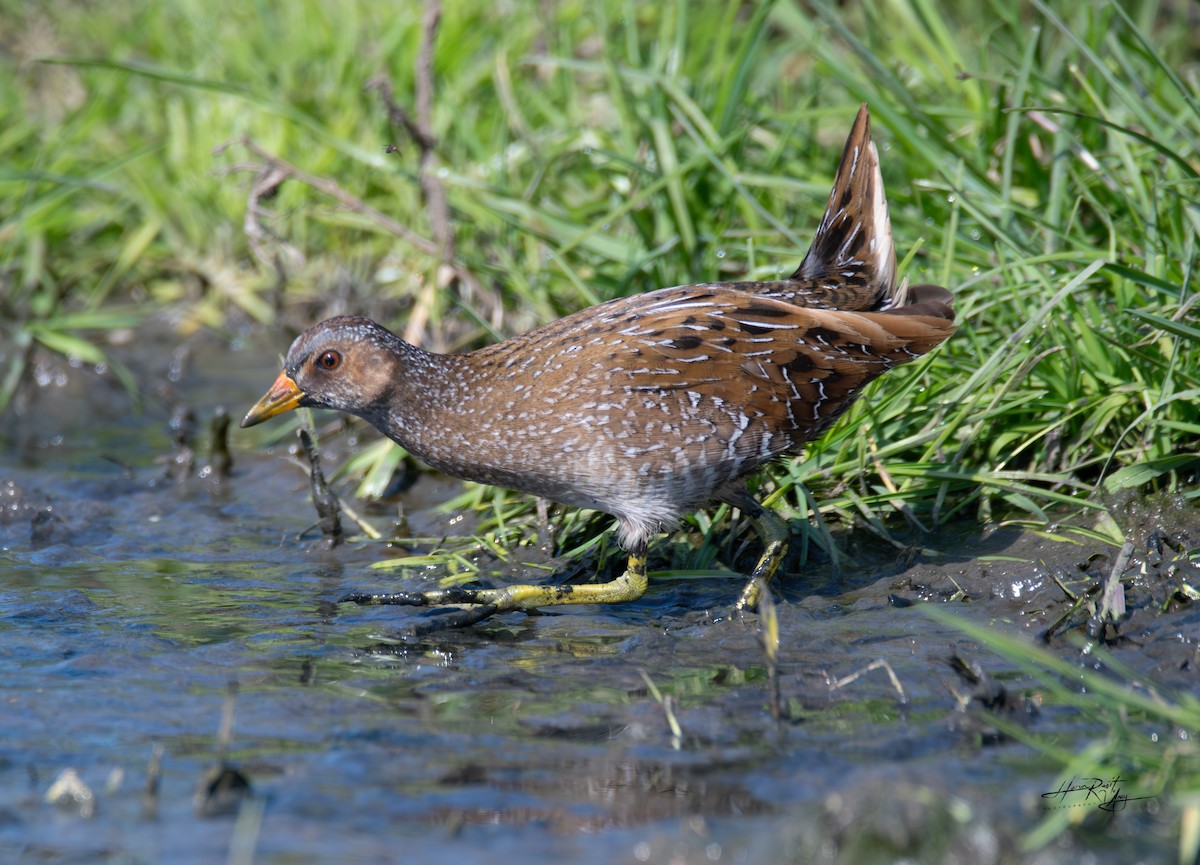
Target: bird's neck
<point x="435" y="402"/>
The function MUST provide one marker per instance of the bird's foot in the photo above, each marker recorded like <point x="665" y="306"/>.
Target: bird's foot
<point x="774" y="534"/>
<point x="475" y="605"/>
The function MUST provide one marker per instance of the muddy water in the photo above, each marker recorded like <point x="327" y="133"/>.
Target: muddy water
<point x="130" y="602"/>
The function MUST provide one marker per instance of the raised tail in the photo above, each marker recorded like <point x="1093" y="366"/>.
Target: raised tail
<point x="851" y="264"/>
<point x="853" y="245"/>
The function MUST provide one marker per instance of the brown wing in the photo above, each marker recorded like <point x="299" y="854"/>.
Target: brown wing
<point x="795" y="367"/>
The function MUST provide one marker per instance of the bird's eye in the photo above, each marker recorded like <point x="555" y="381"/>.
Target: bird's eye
<point x="329" y="360"/>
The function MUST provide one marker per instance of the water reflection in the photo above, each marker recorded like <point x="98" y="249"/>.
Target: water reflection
<point x="129" y="603"/>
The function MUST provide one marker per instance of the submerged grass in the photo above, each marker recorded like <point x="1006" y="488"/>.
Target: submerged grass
<point x="1148" y="746"/>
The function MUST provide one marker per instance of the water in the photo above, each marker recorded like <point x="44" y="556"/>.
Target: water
<point x="136" y="611"/>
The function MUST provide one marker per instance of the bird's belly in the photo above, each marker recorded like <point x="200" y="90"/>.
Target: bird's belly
<point x="658" y="459"/>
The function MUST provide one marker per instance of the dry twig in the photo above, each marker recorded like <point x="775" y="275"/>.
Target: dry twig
<point x="433" y="191"/>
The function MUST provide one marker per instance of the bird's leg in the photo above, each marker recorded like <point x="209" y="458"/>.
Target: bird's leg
<point x="479" y="604"/>
<point x="774" y="534"/>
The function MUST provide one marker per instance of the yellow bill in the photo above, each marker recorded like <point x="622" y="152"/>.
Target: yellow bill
<point x="283" y="396"/>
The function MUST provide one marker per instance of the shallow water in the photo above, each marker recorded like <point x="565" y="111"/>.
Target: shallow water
<point x="130" y="603"/>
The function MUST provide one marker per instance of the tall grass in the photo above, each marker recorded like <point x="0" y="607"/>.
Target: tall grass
<point x="1041" y="163"/>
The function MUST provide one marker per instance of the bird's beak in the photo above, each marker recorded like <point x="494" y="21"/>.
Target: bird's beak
<point x="283" y="396"/>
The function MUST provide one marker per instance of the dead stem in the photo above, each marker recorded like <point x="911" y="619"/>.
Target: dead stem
<point x="219" y="457"/>
<point x="280" y="170"/>
<point x="324" y="500"/>
<point x="433" y="191"/>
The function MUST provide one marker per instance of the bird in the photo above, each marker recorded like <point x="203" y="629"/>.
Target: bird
<point x="646" y="407"/>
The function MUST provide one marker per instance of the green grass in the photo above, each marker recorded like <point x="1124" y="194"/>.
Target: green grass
<point x="1043" y="165"/>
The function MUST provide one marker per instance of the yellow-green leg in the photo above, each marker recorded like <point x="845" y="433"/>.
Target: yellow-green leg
<point x="479" y="604"/>
<point x="774" y="534"/>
